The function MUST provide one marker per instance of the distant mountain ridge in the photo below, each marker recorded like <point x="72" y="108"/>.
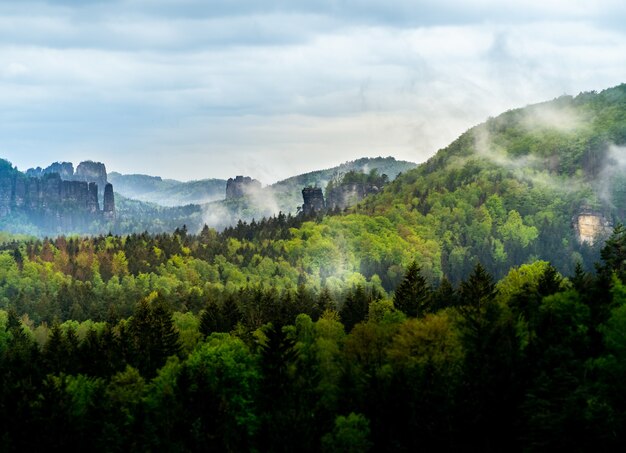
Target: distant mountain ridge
<point x="287" y="192"/>
<point x="168" y="192"/>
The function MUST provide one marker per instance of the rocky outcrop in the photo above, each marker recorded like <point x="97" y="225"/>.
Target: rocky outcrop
<point x="346" y="195"/>
<point x="90" y="171"/>
<point x="64" y="169"/>
<point x="109" y="202"/>
<point x="591" y="226"/>
<point x="240" y="187"/>
<point x="87" y="171"/>
<point x="313" y="200"/>
<point x="347" y="190"/>
<point x="52" y="202"/>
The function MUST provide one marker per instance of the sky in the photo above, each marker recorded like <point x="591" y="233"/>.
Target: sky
<point x="191" y="89"/>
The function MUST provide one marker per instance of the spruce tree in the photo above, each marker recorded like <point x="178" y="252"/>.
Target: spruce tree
<point x="413" y="295"/>
<point x="355" y="308"/>
<point x="230" y="314"/>
<point x="478" y="289"/>
<point x="154" y="337"/>
<point x="210" y="319"/>
<point x="444" y="296"/>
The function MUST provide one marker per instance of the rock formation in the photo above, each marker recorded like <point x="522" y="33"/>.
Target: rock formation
<point x="240" y="187"/>
<point x="349" y="189"/>
<point x="591" y="225"/>
<point x="90" y="171"/>
<point x="346" y="195"/>
<point x="109" y="202"/>
<point x="87" y="171"/>
<point x="52" y="202"/>
<point x="313" y="200"/>
<point x="64" y="169"/>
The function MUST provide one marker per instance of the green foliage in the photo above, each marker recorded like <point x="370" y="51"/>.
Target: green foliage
<point x="350" y="434"/>
<point x="264" y="336"/>
<point x="413" y="296"/>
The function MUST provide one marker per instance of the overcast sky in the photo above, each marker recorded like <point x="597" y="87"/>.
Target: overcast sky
<point x="192" y="89"/>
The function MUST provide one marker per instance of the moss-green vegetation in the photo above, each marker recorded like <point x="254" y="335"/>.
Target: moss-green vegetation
<point x="377" y="328"/>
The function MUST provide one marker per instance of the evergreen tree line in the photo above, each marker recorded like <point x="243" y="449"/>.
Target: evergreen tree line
<point x="534" y="361"/>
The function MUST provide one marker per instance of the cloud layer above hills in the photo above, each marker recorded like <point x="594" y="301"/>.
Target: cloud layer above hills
<point x="191" y="89"/>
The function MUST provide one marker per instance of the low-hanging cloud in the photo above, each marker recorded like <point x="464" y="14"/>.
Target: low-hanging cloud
<point x="196" y="89"/>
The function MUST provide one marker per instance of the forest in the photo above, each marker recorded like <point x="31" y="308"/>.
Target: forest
<point x="105" y="356"/>
<point x="456" y="309"/>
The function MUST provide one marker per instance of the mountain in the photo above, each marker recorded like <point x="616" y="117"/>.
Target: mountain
<point x="287" y="192"/>
<point x="150" y="203"/>
<point x="286" y="196"/>
<point x="168" y="192"/>
<point x="264" y="336"/>
<point x="547" y="181"/>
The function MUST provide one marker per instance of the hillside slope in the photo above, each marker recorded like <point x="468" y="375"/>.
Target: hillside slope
<point x="286" y="195"/>
<point x="516" y="188"/>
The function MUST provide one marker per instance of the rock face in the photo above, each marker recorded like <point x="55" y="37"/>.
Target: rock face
<point x="240" y="187"/>
<point x="347" y="190"/>
<point x="64" y="169"/>
<point x="87" y="171"/>
<point x="90" y="171"/>
<point x="52" y="202"/>
<point x="346" y="195"/>
<point x="109" y="202"/>
<point x="313" y="200"/>
<point x="590" y="226"/>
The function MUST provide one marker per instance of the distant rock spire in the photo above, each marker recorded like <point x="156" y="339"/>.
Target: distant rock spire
<point x="313" y="200"/>
<point x="109" y="201"/>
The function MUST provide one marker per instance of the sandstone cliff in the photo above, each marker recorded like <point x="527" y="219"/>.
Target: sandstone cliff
<point x="90" y="171"/>
<point x="313" y="200"/>
<point x="347" y="190"/>
<point x="241" y="186"/>
<point x="52" y="203"/>
<point x="591" y="226"/>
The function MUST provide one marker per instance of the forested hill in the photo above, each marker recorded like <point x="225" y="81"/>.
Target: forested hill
<point x="171" y="193"/>
<point x="340" y="332"/>
<point x="513" y="188"/>
<point x="168" y="192"/>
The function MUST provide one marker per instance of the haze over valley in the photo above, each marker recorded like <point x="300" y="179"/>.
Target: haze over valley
<point x="313" y="226"/>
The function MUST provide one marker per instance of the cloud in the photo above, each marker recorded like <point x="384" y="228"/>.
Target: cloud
<point x="192" y="89"/>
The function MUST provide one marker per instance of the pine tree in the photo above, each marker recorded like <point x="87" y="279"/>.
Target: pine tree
<point x="478" y="289"/>
<point x="211" y="319"/>
<point x="355" y="308"/>
<point x="154" y="337"/>
<point x="444" y="296"/>
<point x="614" y="253"/>
<point x="413" y="295"/>
<point x="549" y="282"/>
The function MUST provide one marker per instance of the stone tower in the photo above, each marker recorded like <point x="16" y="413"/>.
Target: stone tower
<point x="313" y="200"/>
<point x="109" y="202"/>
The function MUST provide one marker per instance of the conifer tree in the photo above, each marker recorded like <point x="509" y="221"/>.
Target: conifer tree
<point x="211" y="319"/>
<point x="154" y="337"/>
<point x="614" y="253"/>
<point x="355" y="307"/>
<point x="444" y="296"/>
<point x="230" y="314"/>
<point x="478" y="289"/>
<point x="413" y="295"/>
